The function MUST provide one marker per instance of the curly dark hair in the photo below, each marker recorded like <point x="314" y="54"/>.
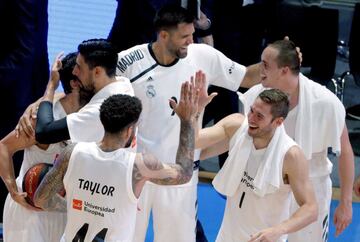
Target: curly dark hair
<point x="68" y="63"/>
<point x="99" y="52"/>
<point x="119" y="111"/>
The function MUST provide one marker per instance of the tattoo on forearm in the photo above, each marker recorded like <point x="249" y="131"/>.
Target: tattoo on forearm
<point x="53" y="182"/>
<point x="181" y="172"/>
<point x="55" y="203"/>
<point x="185" y="154"/>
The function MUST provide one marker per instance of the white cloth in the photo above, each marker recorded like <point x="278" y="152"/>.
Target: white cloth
<point x="99" y="194"/>
<point x="85" y="125"/>
<point x="320" y="119"/>
<point x="24" y="225"/>
<point x="269" y="175"/>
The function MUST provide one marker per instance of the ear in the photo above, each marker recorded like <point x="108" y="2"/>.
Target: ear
<point x="163" y="34"/>
<point x="278" y="121"/>
<point x="285" y="70"/>
<point x="98" y="70"/>
<point x="129" y="131"/>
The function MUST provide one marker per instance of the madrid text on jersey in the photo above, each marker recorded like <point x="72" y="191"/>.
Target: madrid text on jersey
<point x="129" y="59"/>
<point x="95" y="187"/>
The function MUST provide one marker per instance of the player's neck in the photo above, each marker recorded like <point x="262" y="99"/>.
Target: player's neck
<point x="102" y="82"/>
<point x="263" y="141"/>
<point x="291" y="87"/>
<point x="161" y="54"/>
<point x="111" y="142"/>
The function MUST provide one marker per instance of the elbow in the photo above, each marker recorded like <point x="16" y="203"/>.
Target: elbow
<point x="39" y="137"/>
<point x="186" y="177"/>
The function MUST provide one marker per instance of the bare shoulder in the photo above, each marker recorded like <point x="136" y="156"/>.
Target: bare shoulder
<point x="294" y="159"/>
<point x="232" y="123"/>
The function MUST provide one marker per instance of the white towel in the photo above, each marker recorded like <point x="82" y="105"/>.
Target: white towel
<point x="269" y="175"/>
<point x="320" y="119"/>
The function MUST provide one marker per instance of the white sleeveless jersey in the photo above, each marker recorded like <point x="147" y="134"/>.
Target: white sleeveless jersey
<point x="24" y="225"/>
<point x="34" y="155"/>
<point x="100" y="200"/>
<point x="155" y="84"/>
<point x="246" y="213"/>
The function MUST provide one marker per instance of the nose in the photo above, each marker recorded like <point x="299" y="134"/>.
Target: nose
<point x="75" y="71"/>
<point x="190" y="40"/>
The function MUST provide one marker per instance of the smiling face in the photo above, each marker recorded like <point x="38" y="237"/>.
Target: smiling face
<point x="270" y="73"/>
<point x="84" y="75"/>
<point x="178" y="40"/>
<point x="261" y="121"/>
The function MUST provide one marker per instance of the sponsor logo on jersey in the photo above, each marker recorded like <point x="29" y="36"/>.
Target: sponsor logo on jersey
<point x="248" y="180"/>
<point x="231" y="68"/>
<point x="95" y="187"/>
<point x="77" y="204"/>
<point x="97" y="210"/>
<point x="150" y="91"/>
<point x="127" y="60"/>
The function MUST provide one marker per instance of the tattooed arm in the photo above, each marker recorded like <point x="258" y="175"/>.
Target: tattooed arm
<point x="46" y="195"/>
<point x="148" y="167"/>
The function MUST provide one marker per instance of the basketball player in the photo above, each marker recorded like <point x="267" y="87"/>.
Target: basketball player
<point x="23" y="222"/>
<point x="95" y="69"/>
<point x="156" y="71"/>
<point x="264" y="167"/>
<point x="104" y="180"/>
<point x="316" y="121"/>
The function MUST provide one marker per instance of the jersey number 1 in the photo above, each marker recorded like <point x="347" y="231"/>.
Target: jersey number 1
<point x="241" y="199"/>
<point x="81" y="233"/>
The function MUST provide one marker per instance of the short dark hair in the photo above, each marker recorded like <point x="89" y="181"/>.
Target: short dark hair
<point x="68" y="63"/>
<point x="99" y="52"/>
<point x="170" y="15"/>
<point x="119" y="111"/>
<point x="278" y="100"/>
<point x="288" y="56"/>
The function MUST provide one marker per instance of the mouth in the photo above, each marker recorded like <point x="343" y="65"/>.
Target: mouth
<point x="253" y="127"/>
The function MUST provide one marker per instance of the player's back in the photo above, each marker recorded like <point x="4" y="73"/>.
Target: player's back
<point x="100" y="200"/>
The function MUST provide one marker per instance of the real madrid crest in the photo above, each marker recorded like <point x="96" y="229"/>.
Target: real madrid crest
<point x="150" y="91"/>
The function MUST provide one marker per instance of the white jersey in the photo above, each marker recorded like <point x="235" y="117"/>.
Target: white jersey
<point x="24" y="225"/>
<point x="85" y="125"/>
<point x="247" y="213"/>
<point x="155" y="84"/>
<point x="100" y="200"/>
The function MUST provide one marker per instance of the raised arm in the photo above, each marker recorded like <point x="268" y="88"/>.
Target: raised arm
<point x="343" y="212"/>
<point x="48" y="130"/>
<point x="46" y="195"/>
<point x="8" y="147"/>
<point x="147" y="167"/>
<point x="296" y="171"/>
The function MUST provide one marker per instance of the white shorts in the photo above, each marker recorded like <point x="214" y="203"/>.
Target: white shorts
<point x="319" y="230"/>
<point x="24" y="225"/>
<point x="173" y="210"/>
